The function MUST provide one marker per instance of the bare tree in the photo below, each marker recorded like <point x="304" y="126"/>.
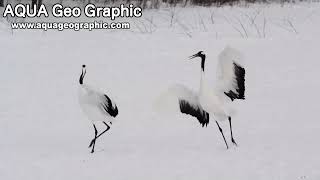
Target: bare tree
<point x="39" y="3"/>
<point x="156" y="4"/>
<point x="33" y="2"/>
<point x="36" y="2"/>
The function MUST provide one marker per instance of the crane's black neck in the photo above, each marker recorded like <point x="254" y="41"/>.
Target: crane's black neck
<point x="82" y="76"/>
<point x="203" y="60"/>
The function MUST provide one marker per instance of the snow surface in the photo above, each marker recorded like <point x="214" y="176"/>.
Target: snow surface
<point x="44" y="135"/>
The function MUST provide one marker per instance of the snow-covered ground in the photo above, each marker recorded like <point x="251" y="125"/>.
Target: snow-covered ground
<point x="44" y="135"/>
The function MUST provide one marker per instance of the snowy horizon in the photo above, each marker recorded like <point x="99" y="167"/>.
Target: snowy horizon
<point x="44" y="135"/>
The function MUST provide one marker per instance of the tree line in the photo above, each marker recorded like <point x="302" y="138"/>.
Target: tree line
<point x="33" y="2"/>
<point x="157" y="3"/>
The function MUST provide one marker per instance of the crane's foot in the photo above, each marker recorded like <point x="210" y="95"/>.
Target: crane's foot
<point x="91" y="143"/>
<point x="234" y="142"/>
<point x="225" y="141"/>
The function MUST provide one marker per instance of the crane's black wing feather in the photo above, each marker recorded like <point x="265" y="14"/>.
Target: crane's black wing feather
<point x="239" y="73"/>
<point x="107" y="106"/>
<point x="195" y="111"/>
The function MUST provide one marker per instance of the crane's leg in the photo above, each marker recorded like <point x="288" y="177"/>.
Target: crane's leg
<point x="233" y="141"/>
<point x="94" y="140"/>
<point x="222" y="134"/>
<point x="95" y="137"/>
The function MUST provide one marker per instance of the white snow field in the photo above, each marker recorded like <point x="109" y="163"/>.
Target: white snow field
<point x="44" y="135"/>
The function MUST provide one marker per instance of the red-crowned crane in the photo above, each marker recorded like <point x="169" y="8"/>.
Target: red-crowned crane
<point x="212" y="102"/>
<point x="97" y="106"/>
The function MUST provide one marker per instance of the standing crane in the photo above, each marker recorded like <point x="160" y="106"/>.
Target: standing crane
<point x="216" y="102"/>
<point x="97" y="106"/>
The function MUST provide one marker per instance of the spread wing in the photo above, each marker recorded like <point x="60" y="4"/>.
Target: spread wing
<point x="231" y="74"/>
<point x="194" y="110"/>
<point x="181" y="98"/>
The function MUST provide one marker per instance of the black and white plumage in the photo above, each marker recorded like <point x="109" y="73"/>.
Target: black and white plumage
<point x="187" y="108"/>
<point x="188" y="103"/>
<point x="240" y="88"/>
<point x="212" y="102"/>
<point x="97" y="106"/>
<point x="231" y="74"/>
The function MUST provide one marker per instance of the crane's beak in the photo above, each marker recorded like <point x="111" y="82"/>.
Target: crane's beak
<point x="193" y="56"/>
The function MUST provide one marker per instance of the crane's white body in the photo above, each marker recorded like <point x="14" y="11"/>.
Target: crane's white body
<point x="212" y="100"/>
<point x="91" y="101"/>
<point x="97" y="106"/>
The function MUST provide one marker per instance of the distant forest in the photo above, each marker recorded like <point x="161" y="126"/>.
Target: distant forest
<point x="153" y="3"/>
